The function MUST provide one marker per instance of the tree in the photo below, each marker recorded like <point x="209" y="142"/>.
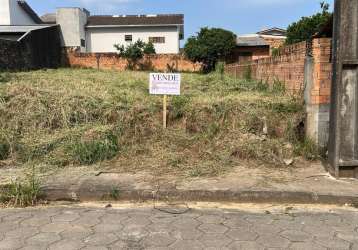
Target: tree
<point x="135" y="52"/>
<point x="210" y="46"/>
<point x="304" y="29"/>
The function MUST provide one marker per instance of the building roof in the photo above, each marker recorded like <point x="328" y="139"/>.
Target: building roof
<point x="32" y="14"/>
<point x="134" y="20"/>
<point x="250" y="41"/>
<point x="125" y="20"/>
<point x="272" y="32"/>
<point x="21" y="29"/>
<point x="49" y="18"/>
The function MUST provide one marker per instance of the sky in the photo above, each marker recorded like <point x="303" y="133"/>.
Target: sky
<point x="239" y="16"/>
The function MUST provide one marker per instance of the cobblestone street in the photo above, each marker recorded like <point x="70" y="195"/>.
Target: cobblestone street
<point x="94" y="227"/>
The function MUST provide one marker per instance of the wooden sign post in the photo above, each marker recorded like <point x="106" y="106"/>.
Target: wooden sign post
<point x="164" y="84"/>
<point x="165" y="111"/>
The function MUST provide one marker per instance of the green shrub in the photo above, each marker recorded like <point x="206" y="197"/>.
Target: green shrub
<point x="261" y="86"/>
<point x="247" y="73"/>
<point x="220" y="69"/>
<point x="286" y="108"/>
<point x="95" y="150"/>
<point x="275" y="52"/>
<point x="278" y="87"/>
<point x="308" y="149"/>
<point x="179" y="106"/>
<point x="4" y="77"/>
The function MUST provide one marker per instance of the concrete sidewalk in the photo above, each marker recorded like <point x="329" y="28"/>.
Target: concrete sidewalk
<point x="310" y="184"/>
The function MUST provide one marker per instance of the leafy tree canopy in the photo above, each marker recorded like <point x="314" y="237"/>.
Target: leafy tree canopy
<point x="304" y="29"/>
<point x="210" y="46"/>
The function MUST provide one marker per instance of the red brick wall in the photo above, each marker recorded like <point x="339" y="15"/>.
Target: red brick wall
<point x="113" y="61"/>
<point x="322" y="71"/>
<point x="287" y="67"/>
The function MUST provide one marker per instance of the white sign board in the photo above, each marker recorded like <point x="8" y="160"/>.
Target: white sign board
<point x="164" y="84"/>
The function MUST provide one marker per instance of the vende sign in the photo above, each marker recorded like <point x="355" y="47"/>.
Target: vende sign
<point x="164" y="84"/>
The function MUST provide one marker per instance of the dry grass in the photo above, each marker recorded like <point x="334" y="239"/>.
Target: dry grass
<point x="80" y="116"/>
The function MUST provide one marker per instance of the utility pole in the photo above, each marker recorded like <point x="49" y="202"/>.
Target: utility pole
<point x="343" y="141"/>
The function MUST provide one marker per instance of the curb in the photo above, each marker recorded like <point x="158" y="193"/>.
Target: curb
<point x="104" y="193"/>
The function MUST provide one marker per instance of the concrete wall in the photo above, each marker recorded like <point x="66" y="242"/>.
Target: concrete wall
<point x="72" y="22"/>
<point x="12" y="14"/>
<point x="102" y="39"/>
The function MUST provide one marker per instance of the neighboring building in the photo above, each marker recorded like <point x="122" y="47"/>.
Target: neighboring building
<point x="259" y="45"/>
<point x="100" y="33"/>
<point x="86" y="33"/>
<point x="17" y="13"/>
<point x="16" y="19"/>
<point x="164" y="31"/>
<point x="25" y="41"/>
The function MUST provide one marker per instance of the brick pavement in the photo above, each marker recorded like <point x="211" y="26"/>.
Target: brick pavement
<point x="77" y="227"/>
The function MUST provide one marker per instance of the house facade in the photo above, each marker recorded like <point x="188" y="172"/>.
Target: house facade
<point x="99" y="34"/>
<point x="91" y="33"/>
<point x="164" y="31"/>
<point x="258" y="45"/>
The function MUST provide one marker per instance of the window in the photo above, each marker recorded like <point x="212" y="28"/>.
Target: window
<point x="157" y="39"/>
<point x="83" y="43"/>
<point x="128" y="38"/>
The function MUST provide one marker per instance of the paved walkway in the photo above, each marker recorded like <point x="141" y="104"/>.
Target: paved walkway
<point x="98" y="228"/>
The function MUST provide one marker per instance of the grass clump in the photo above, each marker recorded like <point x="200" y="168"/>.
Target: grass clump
<point x="22" y="193"/>
<point x="179" y="106"/>
<point x="90" y="151"/>
<point x="4" y="77"/>
<point x="308" y="149"/>
<point x="4" y="148"/>
<point x="81" y="117"/>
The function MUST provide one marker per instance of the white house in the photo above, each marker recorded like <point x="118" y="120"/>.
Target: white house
<point x="95" y="33"/>
<point x="17" y="19"/>
<point x="100" y="33"/>
<point x="164" y="31"/>
<point x="17" y="13"/>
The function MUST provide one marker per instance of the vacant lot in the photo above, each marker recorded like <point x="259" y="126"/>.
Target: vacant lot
<point x="70" y="117"/>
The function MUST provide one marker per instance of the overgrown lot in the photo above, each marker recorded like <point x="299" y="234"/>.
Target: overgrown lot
<point x="59" y="118"/>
